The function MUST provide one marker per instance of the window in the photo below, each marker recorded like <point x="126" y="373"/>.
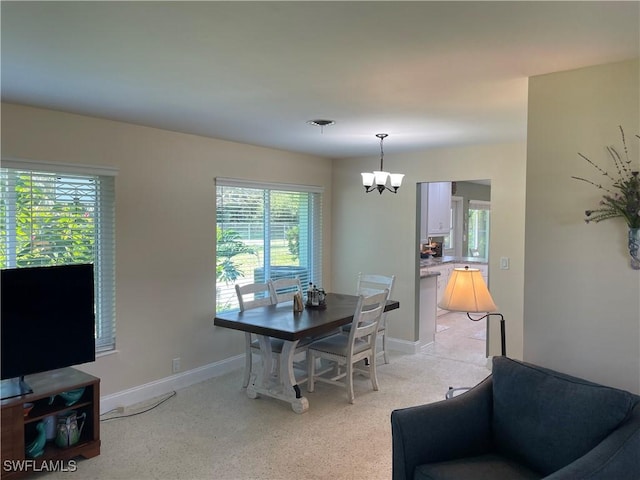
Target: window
<point x="62" y="214"/>
<point x="453" y="242"/>
<point x="265" y="231"/>
<point x="478" y="230"/>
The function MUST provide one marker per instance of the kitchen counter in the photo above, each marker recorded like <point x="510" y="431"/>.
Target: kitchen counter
<point x="435" y="261"/>
<point x="426" y="273"/>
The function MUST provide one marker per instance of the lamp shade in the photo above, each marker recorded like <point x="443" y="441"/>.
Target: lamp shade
<point x="467" y="292"/>
<point x="367" y="179"/>
<point x="396" y="179"/>
<point x="380" y="176"/>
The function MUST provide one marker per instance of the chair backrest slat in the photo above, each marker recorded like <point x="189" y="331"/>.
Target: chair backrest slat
<point x="284" y="289"/>
<point x="368" y="284"/>
<point x="367" y="318"/>
<point x="253" y="295"/>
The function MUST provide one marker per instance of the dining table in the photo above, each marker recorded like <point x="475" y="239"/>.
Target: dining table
<point x="282" y="322"/>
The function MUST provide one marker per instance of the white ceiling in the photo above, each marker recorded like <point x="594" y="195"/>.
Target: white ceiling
<point x="427" y="73"/>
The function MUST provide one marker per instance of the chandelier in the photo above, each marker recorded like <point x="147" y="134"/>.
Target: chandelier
<point x="378" y="179"/>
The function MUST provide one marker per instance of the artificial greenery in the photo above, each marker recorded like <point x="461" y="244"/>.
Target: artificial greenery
<point x="622" y="197"/>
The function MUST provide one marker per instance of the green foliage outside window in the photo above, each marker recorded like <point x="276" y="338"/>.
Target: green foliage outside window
<point x="478" y="233"/>
<point x="293" y="242"/>
<point x="45" y="229"/>
<point x="229" y="245"/>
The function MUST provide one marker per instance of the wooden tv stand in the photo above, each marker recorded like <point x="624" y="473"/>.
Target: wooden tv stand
<point x="19" y="431"/>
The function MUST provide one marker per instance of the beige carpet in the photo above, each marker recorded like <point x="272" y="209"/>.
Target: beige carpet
<point x="214" y="431"/>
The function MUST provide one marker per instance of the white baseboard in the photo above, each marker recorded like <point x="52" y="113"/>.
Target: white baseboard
<point x="404" y="346"/>
<point x="166" y="385"/>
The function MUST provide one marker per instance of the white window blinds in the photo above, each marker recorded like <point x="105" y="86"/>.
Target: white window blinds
<point x="61" y="214"/>
<point x="265" y="231"/>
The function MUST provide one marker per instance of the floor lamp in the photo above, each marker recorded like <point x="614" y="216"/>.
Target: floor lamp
<point x="467" y="292"/>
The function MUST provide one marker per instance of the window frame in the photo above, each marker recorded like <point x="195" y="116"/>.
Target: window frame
<point x="479" y="205"/>
<point x="310" y="248"/>
<point x="453" y="242"/>
<point x="103" y="232"/>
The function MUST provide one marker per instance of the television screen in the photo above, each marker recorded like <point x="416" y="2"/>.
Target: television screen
<point x="48" y="318"/>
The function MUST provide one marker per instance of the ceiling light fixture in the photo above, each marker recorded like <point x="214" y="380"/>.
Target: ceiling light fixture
<point x="321" y="123"/>
<point x="380" y="176"/>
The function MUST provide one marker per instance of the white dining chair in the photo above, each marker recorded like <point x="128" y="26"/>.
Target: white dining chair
<point x="270" y="293"/>
<point x="284" y="289"/>
<point x="369" y="284"/>
<point x="345" y="351"/>
<point x="250" y="296"/>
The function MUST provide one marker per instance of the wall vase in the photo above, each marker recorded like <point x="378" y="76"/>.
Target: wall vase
<point x="634" y="247"/>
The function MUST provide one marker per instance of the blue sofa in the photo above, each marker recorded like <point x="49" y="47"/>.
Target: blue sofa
<point x="521" y="422"/>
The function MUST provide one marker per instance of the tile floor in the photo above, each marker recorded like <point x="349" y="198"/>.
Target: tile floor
<point x="459" y="338"/>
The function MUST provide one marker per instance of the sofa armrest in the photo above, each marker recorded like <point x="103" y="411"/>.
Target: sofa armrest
<point x="445" y="430"/>
<point x="617" y="456"/>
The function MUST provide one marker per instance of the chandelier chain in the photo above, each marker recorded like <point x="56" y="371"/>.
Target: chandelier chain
<point x="381" y="136"/>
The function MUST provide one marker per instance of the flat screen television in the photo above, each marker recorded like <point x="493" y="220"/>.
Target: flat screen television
<point x="48" y="322"/>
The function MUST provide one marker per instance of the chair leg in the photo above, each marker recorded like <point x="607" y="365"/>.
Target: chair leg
<point x="248" y="360"/>
<point x="384" y="346"/>
<point x="311" y="371"/>
<point x="349" y="380"/>
<point x="372" y="372"/>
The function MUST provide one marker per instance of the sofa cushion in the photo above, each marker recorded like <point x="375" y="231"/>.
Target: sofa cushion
<point x="546" y="419"/>
<point x="483" y="467"/>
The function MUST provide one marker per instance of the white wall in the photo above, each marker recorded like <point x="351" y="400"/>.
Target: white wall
<point x="377" y="233"/>
<point x="582" y="300"/>
<point x="165" y="230"/>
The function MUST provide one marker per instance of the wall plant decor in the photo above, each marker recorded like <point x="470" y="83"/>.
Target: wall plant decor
<point x="621" y="197"/>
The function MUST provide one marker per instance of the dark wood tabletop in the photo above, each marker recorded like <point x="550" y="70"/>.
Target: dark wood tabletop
<point x="280" y="321"/>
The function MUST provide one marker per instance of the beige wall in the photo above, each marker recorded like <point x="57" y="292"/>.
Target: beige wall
<point x="165" y="229"/>
<point x="165" y="216"/>
<point x="582" y="300"/>
<point x="581" y="309"/>
<point x="378" y="233"/>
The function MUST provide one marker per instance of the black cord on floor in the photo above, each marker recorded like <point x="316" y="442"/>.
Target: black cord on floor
<point x="172" y="394"/>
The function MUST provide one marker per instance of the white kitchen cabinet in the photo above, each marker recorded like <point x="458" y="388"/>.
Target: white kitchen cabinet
<point x="427" y="324"/>
<point x="445" y="271"/>
<point x="435" y="215"/>
<point x="438" y="209"/>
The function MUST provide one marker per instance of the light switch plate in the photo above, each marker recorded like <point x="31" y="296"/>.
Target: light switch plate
<point x="504" y="263"/>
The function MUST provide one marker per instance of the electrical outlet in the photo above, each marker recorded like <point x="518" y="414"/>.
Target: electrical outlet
<point x="175" y="365"/>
